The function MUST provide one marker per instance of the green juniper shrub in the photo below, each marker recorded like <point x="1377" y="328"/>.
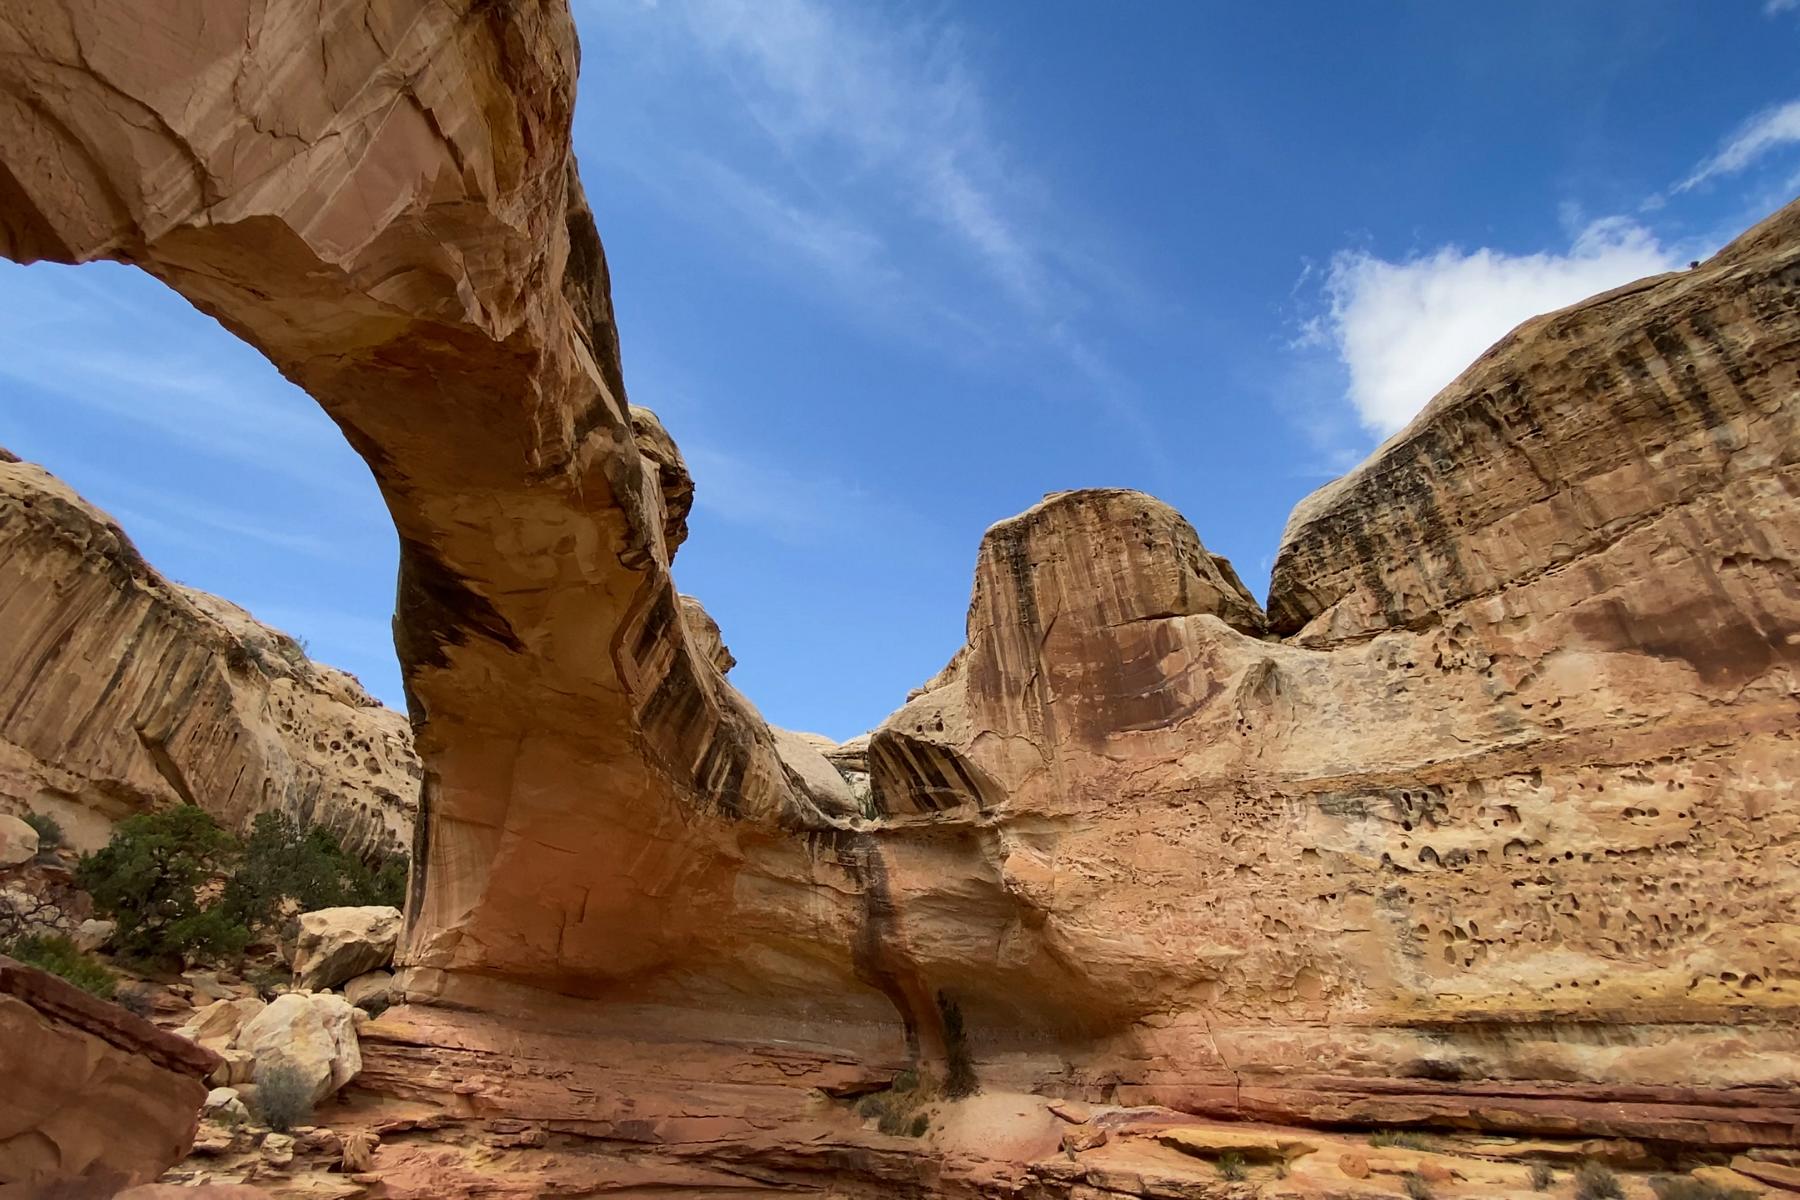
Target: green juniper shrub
<point x="283" y="1097"/>
<point x="50" y="833"/>
<point x="1403" y="1139"/>
<point x="1542" y="1176"/>
<point x="920" y="1124"/>
<point x="151" y="878"/>
<point x="1595" y="1181"/>
<point x="58" y="955"/>
<point x="158" y="879"/>
<point x="284" y="860"/>
<point x="960" y="1079"/>
<point x="1416" y="1186"/>
<point x="1230" y="1165"/>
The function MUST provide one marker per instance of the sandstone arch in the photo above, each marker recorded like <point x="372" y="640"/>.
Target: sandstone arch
<point x="381" y="198"/>
<point x="1488" y="823"/>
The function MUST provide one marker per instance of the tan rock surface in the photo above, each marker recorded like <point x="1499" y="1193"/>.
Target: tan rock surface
<point x="217" y="1025"/>
<point x="1439" y="854"/>
<point x="18" y="842"/>
<point x="1488" y="827"/>
<point x="338" y="944"/>
<point x="90" y="1092"/>
<point x="314" y="1034"/>
<point x="205" y="705"/>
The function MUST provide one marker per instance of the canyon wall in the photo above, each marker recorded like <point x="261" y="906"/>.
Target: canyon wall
<point x="1487" y="822"/>
<point x="122" y="692"/>
<point x="1502" y="789"/>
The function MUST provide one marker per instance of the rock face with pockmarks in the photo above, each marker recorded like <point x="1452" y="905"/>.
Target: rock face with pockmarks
<point x="1501" y="792"/>
<point x="1486" y="822"/>
<point x="122" y="692"/>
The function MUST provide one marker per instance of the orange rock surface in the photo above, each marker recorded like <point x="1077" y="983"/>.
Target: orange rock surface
<point x="1487" y="825"/>
<point x="91" y="1092"/>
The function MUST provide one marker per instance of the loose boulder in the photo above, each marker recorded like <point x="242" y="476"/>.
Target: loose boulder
<point x="372" y="992"/>
<point x="91" y="1092"/>
<point x="223" y="1104"/>
<point x="337" y="944"/>
<point x="18" y="842"/>
<point x="215" y="1025"/>
<point x="315" y="1035"/>
<point x="94" y="933"/>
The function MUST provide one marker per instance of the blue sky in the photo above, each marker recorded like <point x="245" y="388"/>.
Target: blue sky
<point x="890" y="273"/>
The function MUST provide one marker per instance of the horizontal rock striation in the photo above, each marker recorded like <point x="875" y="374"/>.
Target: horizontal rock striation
<point x="1488" y="823"/>
<point x="92" y="1092"/>
<point x="1509" y="808"/>
<point x="122" y="692"/>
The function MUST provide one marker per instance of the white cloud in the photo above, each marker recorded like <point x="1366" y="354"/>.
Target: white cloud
<point x="848" y="97"/>
<point x="852" y="148"/>
<point x="1775" y="7"/>
<point x="111" y="340"/>
<point x="1406" y="329"/>
<point x="1768" y="130"/>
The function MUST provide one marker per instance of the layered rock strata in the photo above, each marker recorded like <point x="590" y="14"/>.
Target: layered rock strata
<point x="121" y="692"/>
<point x="1491" y="823"/>
<point x="92" y="1093"/>
<point x="1487" y="824"/>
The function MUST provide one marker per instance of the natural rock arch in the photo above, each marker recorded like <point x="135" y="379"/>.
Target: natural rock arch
<point x="1338" y="864"/>
<point x="382" y="199"/>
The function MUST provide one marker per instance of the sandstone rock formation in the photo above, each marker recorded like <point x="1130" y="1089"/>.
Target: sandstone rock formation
<point x="336" y="944"/>
<point x="18" y="842"/>
<point x="1487" y="825"/>
<point x="1497" y="806"/>
<point x="200" y="703"/>
<point x="91" y="1092"/>
<point x="313" y="1035"/>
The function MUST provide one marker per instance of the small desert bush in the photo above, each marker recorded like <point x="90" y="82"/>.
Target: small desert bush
<point x="960" y="1079"/>
<point x="1542" y="1176"/>
<point x="283" y="1097"/>
<point x="49" y="831"/>
<point x="1415" y="1186"/>
<point x="58" y="955"/>
<point x="895" y="1109"/>
<point x="1596" y="1181"/>
<point x="1230" y="1165"/>
<point x="1686" y="1187"/>
<point x="284" y="860"/>
<point x="1400" y="1138"/>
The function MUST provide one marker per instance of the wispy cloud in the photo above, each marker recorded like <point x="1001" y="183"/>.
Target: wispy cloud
<point x="845" y="97"/>
<point x="1762" y="134"/>
<point x="1405" y="329"/>
<point x="111" y="340"/>
<point x="1776" y="7"/>
<point x="856" y="149"/>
